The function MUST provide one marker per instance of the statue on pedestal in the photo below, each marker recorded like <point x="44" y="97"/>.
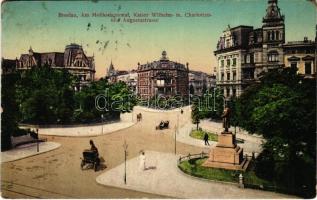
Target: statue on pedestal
<point x="226" y="119"/>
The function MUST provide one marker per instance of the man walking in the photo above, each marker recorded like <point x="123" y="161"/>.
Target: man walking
<point x="206" y="137"/>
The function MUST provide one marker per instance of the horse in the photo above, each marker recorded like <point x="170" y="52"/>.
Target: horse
<point x="139" y="117"/>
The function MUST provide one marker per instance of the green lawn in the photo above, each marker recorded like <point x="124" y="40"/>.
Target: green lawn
<point x="193" y="167"/>
<point x="199" y="134"/>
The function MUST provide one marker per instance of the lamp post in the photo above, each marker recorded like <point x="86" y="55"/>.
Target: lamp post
<point x="37" y="140"/>
<point x="125" y="148"/>
<point x="102" y="123"/>
<point x="175" y="140"/>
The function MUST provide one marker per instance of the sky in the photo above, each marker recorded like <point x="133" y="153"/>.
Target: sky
<point x="185" y="39"/>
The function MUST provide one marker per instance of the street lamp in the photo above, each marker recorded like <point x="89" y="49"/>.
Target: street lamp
<point x="175" y="140"/>
<point x="102" y="123"/>
<point x="125" y="148"/>
<point x="37" y="140"/>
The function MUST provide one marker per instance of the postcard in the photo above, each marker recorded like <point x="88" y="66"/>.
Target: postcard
<point x="207" y="99"/>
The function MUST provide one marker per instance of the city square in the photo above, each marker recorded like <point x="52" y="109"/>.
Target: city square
<point x="57" y="173"/>
<point x="158" y="99"/>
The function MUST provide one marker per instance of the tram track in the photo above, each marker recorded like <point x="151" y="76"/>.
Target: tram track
<point x="9" y="188"/>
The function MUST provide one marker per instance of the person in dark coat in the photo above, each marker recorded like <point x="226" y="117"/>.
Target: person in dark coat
<point x="206" y="137"/>
<point x="94" y="149"/>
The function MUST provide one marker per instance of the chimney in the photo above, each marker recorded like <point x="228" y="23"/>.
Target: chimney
<point x="305" y="39"/>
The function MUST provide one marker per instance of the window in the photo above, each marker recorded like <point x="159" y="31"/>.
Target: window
<point x="252" y="58"/>
<point x="222" y="76"/>
<point x="222" y="63"/>
<point x="234" y="62"/>
<point x="228" y="62"/>
<point x="228" y="92"/>
<point x="228" y="76"/>
<point x="234" y="92"/>
<point x="227" y="43"/>
<point x="273" y="56"/>
<point x="308" y="68"/>
<point x="268" y="35"/>
<point x="160" y="82"/>
<point x="294" y="65"/>
<point x="234" y="76"/>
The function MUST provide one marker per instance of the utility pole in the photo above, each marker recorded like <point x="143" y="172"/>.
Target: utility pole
<point x="37" y="140"/>
<point x="175" y="140"/>
<point x="101" y="124"/>
<point x="125" y="147"/>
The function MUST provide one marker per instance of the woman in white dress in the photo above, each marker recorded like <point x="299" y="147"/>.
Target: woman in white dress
<point x="142" y="161"/>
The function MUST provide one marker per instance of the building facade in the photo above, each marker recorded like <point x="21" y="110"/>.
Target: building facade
<point x="244" y="54"/>
<point x="130" y="78"/>
<point x="162" y="77"/>
<point x="199" y="82"/>
<point x="73" y="59"/>
<point x="301" y="55"/>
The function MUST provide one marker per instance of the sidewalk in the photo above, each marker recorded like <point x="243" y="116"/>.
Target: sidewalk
<point x="28" y="150"/>
<point x="166" y="179"/>
<point x="251" y="144"/>
<point x="88" y="131"/>
<point x="148" y="109"/>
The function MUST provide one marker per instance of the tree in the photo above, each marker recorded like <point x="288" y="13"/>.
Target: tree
<point x="195" y="115"/>
<point x="10" y="110"/>
<point x="116" y="99"/>
<point x="45" y="96"/>
<point x="283" y="109"/>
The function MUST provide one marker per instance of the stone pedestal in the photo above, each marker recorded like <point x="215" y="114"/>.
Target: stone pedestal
<point x="227" y="154"/>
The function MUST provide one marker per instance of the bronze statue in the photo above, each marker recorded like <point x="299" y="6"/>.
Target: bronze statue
<point x="226" y="119"/>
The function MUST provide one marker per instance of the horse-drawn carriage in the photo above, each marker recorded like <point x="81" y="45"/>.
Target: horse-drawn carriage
<point x="162" y="125"/>
<point x="90" y="157"/>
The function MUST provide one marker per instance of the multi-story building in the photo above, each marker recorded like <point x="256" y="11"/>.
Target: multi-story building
<point x="244" y="53"/>
<point x="200" y="81"/>
<point x="162" y="77"/>
<point x="301" y="55"/>
<point x="72" y="59"/>
<point x="236" y="65"/>
<point x="211" y="81"/>
<point x="130" y="78"/>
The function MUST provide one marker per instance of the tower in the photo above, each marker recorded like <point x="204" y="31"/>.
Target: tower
<point x="111" y="69"/>
<point x="273" y="37"/>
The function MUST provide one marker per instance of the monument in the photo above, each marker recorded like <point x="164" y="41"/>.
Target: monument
<point x="227" y="154"/>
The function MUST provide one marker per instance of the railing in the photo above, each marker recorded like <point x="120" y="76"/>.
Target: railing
<point x="192" y="156"/>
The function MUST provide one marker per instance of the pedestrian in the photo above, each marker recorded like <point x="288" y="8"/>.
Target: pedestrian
<point x="142" y="161"/>
<point x="93" y="147"/>
<point x="206" y="137"/>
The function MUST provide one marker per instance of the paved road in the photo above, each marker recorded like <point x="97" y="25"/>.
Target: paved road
<point x="57" y="173"/>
